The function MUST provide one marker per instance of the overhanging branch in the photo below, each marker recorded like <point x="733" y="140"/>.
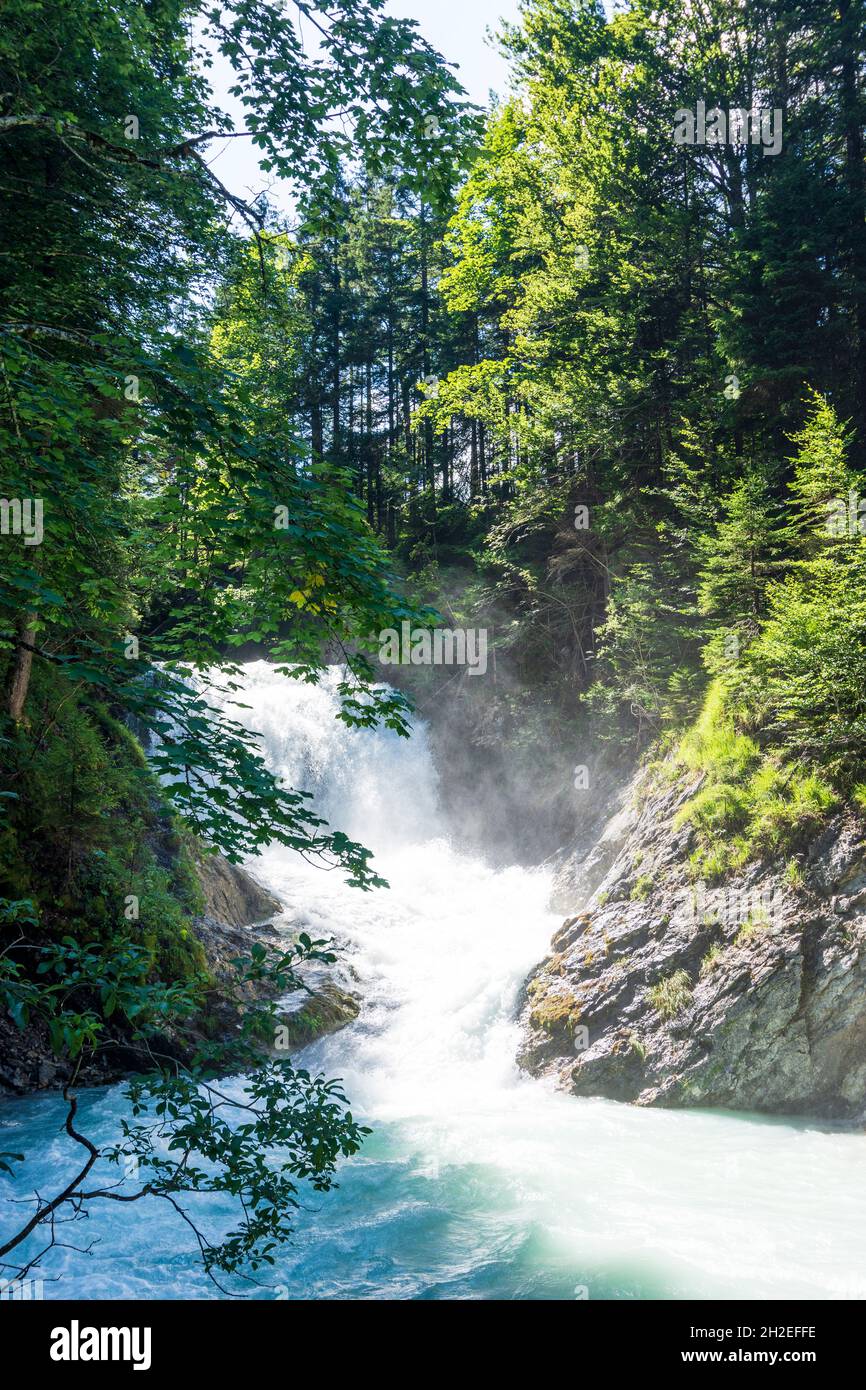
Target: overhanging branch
<point x="67" y="131"/>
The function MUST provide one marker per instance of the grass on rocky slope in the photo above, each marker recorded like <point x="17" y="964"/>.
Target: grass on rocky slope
<point x="753" y="803"/>
<point x="671" y="995"/>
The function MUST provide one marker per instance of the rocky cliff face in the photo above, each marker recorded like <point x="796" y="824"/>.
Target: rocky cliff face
<point x="749" y="995"/>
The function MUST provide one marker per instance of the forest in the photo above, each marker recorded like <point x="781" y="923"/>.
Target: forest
<point x="583" y="371"/>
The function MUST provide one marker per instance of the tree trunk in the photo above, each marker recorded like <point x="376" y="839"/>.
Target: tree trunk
<point x="18" y="682"/>
<point x="316" y="431"/>
<point x="429" y="460"/>
<point x="473" y="461"/>
<point x="369" y="447"/>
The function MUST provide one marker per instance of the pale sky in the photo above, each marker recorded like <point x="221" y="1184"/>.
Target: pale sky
<point x="457" y="28"/>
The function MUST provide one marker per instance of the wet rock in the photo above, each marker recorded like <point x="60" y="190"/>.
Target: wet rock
<point x="660" y="992"/>
<point x="231" y="894"/>
<point x="596" y="844"/>
<point x="320" y="1006"/>
<point x="306" y="1017"/>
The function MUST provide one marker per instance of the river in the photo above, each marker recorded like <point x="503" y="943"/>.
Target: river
<point x="477" y="1182"/>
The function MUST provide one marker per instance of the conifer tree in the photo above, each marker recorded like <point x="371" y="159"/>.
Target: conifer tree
<point x="739" y="558"/>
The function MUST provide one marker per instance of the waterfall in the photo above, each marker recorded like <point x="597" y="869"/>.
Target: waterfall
<point x="440" y="955"/>
<point x="477" y="1182"/>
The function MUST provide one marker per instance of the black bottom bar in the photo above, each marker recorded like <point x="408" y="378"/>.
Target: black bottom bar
<point x="262" y="1338"/>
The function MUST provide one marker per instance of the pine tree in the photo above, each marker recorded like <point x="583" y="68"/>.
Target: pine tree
<point x="824" y="486"/>
<point x="739" y="558"/>
<point x="806" y="672"/>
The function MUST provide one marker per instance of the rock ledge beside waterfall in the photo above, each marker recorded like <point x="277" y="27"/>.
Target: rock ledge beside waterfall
<point x="238" y="913"/>
<point x="661" y="992"/>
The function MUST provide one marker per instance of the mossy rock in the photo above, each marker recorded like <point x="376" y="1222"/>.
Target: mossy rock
<point x="555" y="1011"/>
<point x="325" y="1010"/>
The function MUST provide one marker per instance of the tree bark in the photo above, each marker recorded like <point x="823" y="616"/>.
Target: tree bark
<point x="18" y="682"/>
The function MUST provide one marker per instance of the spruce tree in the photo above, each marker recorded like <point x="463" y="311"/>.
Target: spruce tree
<point x="739" y="558"/>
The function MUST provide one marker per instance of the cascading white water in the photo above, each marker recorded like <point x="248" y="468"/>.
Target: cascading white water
<point x="441" y="953"/>
<point x="478" y="1182"/>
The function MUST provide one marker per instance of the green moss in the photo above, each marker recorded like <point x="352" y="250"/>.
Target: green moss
<point x="91" y="840"/>
<point x="555" y="1012"/>
<point x="323" y="1013"/>
<point x="637" y="1047"/>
